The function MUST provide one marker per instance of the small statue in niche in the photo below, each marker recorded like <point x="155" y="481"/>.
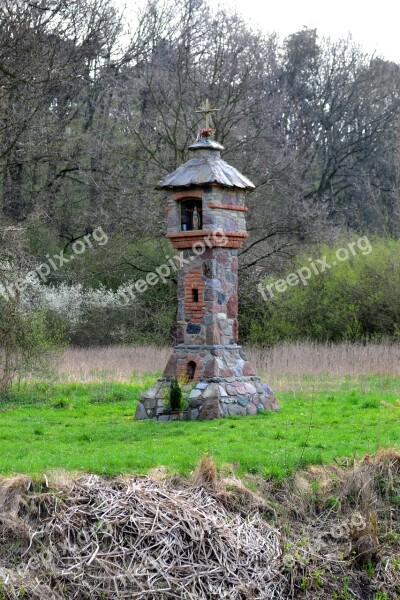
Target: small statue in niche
<point x="196" y="219"/>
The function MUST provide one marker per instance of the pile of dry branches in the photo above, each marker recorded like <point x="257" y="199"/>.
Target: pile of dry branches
<point x="205" y="538"/>
<point x="133" y="538"/>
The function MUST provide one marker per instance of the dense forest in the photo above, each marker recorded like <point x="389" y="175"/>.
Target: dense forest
<point x="96" y="107"/>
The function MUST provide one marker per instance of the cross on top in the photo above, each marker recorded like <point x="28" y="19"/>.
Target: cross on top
<point x="206" y="110"/>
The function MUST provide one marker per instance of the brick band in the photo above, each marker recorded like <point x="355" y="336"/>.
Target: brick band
<point x="187" y="194"/>
<point x="229" y="207"/>
<point x="229" y="239"/>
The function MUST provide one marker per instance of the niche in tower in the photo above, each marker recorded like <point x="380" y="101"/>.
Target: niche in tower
<point x="191" y="212"/>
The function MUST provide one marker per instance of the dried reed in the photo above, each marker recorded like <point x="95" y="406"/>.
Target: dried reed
<point x="121" y="363"/>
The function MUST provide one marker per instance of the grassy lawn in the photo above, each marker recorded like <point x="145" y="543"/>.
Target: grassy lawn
<point x="90" y="427"/>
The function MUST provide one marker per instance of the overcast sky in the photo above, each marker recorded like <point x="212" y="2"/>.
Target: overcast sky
<point x="374" y="25"/>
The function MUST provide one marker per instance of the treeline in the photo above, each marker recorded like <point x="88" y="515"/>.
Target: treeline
<point x="96" y="108"/>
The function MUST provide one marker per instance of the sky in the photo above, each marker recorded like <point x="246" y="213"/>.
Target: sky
<point x="374" y="25"/>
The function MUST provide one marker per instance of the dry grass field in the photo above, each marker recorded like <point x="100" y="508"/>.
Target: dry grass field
<point x="285" y="366"/>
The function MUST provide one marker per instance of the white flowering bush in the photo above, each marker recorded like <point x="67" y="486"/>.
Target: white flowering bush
<point x="100" y="315"/>
<point x="72" y="303"/>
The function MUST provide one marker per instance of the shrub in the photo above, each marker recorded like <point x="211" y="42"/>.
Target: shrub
<point x="28" y="344"/>
<point x="354" y="300"/>
<point x="175" y="396"/>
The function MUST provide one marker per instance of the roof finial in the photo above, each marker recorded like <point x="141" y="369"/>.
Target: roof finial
<point x="207" y="111"/>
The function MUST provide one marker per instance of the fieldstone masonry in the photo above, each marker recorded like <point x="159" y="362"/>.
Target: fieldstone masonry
<point x="218" y="380"/>
<point x="211" y="398"/>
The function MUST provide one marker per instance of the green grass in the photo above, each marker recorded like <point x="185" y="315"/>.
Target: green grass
<point x="90" y="427"/>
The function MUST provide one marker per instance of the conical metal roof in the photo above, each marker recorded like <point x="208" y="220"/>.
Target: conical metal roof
<point x="205" y="168"/>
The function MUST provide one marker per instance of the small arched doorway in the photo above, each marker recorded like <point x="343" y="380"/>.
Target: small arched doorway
<point x="191" y="369"/>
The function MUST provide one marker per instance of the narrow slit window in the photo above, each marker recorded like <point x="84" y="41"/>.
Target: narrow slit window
<point x="195" y="295"/>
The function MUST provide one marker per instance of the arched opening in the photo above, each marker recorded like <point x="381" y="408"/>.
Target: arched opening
<point x="191" y="214"/>
<point x="191" y="369"/>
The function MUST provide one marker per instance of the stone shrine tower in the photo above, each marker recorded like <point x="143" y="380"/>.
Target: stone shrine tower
<point x="206" y="224"/>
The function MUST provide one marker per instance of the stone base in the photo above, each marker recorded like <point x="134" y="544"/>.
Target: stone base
<point x="210" y="362"/>
<point x="211" y="398"/>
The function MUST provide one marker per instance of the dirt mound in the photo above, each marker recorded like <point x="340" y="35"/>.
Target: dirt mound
<point x="341" y="529"/>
